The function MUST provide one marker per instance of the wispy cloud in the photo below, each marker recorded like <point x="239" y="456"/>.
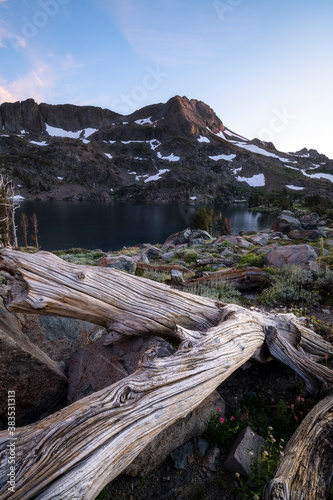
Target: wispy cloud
<point x="42" y="81"/>
<point x="170" y="41"/>
<point x="169" y="48"/>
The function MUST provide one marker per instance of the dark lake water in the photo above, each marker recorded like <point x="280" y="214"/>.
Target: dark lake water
<point x="64" y="225"/>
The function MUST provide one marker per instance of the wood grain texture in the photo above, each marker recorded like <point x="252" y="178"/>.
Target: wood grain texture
<point x="306" y="469"/>
<point x="77" y="451"/>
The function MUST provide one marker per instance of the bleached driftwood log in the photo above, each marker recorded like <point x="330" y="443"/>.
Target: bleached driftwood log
<point x="78" y="450"/>
<point x="306" y="469"/>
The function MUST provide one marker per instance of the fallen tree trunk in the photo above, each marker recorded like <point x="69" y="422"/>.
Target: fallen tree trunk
<point x="77" y="451"/>
<point x="306" y="469"/>
<point x="250" y="278"/>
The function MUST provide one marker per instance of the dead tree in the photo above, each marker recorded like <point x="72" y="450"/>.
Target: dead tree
<point x="75" y="452"/>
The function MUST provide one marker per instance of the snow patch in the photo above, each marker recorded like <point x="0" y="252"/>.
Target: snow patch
<point x="296" y="188"/>
<point x="329" y="177"/>
<point x="43" y="143"/>
<point x="202" y="138"/>
<point x="157" y="176"/>
<point x="59" y="132"/>
<point x="108" y="155"/>
<point x="232" y="134"/>
<point x="193" y="198"/>
<point x="154" y="144"/>
<point x="223" y="157"/>
<point x="143" y="121"/>
<point x="129" y="142"/>
<point x="171" y="157"/>
<point x="254" y="181"/>
<point x="60" y="178"/>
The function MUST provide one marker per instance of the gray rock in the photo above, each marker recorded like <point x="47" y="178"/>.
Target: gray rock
<point x="121" y="262"/>
<point x="226" y="252"/>
<point x="180" y="432"/>
<point x="267" y="248"/>
<point x="186" y="237"/>
<point x="286" y="222"/>
<point x="39" y="384"/>
<point x="290" y="254"/>
<point x="203" y="446"/>
<point x="309" y="221"/>
<point x="212" y="459"/>
<point x="168" y="255"/>
<point x="180" y="455"/>
<point x="239" y="458"/>
<point x="59" y="337"/>
<point x="144" y="259"/>
<point x="153" y="252"/>
<point x="260" y="240"/>
<point x="196" y="241"/>
<point x="307" y="234"/>
<point x="97" y="366"/>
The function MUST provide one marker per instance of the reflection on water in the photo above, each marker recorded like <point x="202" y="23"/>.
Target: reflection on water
<point x="64" y="225"/>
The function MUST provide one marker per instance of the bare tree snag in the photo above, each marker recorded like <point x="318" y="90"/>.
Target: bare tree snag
<point x="75" y="452"/>
<point x="306" y="469"/>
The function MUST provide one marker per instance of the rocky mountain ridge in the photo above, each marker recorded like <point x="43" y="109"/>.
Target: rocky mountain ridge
<point x="163" y="153"/>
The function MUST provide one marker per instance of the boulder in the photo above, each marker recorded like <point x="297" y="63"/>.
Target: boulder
<point x="307" y="234"/>
<point x="185" y="237"/>
<point x="234" y="240"/>
<point x="260" y="239"/>
<point x="247" y="448"/>
<point x="177" y="238"/>
<point x="39" y="384"/>
<point x="59" y="337"/>
<point x="286" y="222"/>
<point x="309" y="221"/>
<point x="180" y="455"/>
<point x="121" y="262"/>
<point x="153" y="252"/>
<point x="168" y="255"/>
<point x="97" y="366"/>
<point x="179" y="433"/>
<point x="290" y="254"/>
<point x="267" y="248"/>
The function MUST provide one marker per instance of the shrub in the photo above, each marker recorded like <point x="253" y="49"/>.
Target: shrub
<point x="251" y="259"/>
<point x="190" y="256"/>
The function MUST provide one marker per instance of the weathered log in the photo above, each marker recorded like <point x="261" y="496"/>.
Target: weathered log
<point x="250" y="278"/>
<point x="165" y="268"/>
<point x="75" y="452"/>
<point x="123" y="304"/>
<point x="306" y="469"/>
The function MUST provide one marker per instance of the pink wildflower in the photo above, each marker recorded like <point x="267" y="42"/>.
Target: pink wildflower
<point x="222" y="420"/>
<point x="296" y="418"/>
<point x="232" y="418"/>
<point x="292" y="407"/>
<point x="219" y="409"/>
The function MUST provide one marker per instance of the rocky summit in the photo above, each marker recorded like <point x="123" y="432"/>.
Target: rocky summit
<point x="172" y="152"/>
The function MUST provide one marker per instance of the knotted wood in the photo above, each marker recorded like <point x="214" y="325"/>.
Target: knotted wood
<point x="78" y="450"/>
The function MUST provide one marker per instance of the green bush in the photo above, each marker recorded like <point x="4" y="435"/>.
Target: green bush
<point x="292" y="285"/>
<point x="190" y="256"/>
<point x="251" y="259"/>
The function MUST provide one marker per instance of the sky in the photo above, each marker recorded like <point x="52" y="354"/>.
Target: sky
<point x="264" y="66"/>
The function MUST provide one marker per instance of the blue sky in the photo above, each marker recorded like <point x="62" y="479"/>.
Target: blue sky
<point x="264" y="66"/>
